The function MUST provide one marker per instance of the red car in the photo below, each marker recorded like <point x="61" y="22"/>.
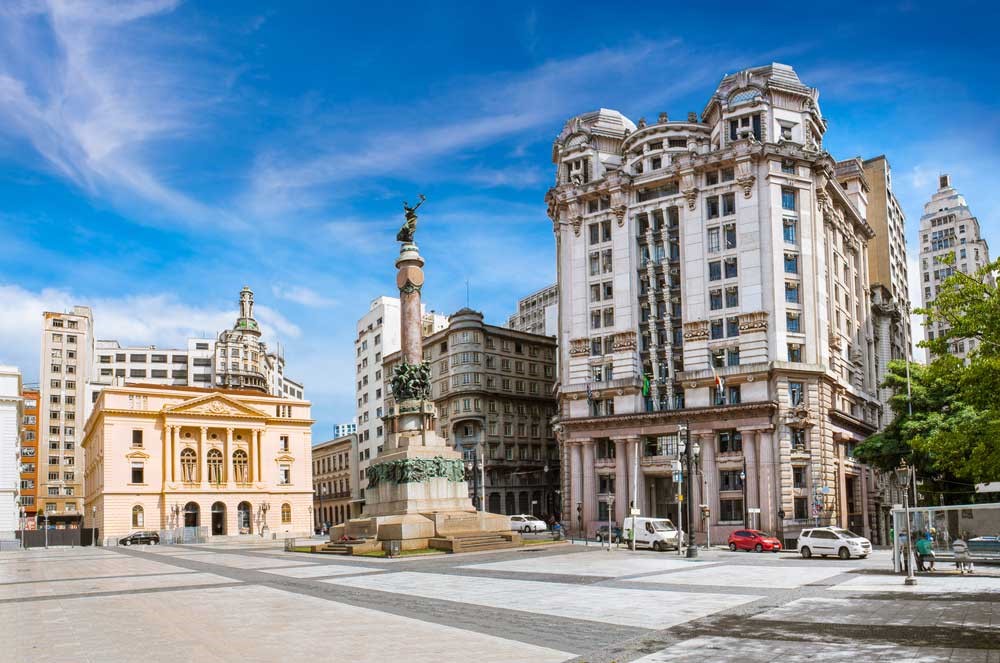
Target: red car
<point x="751" y="539"/>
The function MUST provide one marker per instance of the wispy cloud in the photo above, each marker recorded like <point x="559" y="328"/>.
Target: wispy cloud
<point x="301" y="294"/>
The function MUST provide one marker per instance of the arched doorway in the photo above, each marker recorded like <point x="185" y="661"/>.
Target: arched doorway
<point x="537" y="506"/>
<point x="218" y="518"/>
<point x="191" y="514"/>
<point x="494" y="502"/>
<point x="243" y="512"/>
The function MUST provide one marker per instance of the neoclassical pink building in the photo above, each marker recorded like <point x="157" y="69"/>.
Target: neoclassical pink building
<point x="226" y="462"/>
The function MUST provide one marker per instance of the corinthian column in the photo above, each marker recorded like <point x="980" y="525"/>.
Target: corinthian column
<point x="621" y="480"/>
<point x="589" y="484"/>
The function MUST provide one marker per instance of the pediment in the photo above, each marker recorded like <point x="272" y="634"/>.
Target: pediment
<point x="214" y="405"/>
<point x="137" y="453"/>
<point x="284" y="458"/>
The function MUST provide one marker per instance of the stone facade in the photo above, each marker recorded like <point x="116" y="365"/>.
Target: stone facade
<point x="948" y="227"/>
<point x="492" y="387"/>
<point x="714" y="271"/>
<point x="335" y="481"/>
<point x="28" y="489"/>
<point x="11" y="411"/>
<point x="226" y="461"/>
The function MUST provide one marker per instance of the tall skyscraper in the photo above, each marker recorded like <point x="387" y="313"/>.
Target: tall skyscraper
<point x="948" y="228"/>
<point x="340" y="430"/>
<point x="887" y="273"/>
<point x="378" y="336"/>
<point x="713" y="290"/>
<point x="67" y="355"/>
<point x="538" y="313"/>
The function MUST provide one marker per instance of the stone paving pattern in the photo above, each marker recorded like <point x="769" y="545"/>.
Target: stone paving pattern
<point x="256" y="602"/>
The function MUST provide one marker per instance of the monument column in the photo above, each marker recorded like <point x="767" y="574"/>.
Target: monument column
<point x="622" y="494"/>
<point x="589" y="484"/>
<point x="711" y="479"/>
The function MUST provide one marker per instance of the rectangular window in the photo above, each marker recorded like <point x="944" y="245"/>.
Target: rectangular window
<point x="731" y="510"/>
<point x="792" y="322"/>
<point x="284" y="475"/>
<point x="715" y="270"/>
<point x="733" y="356"/>
<point x="136" y="438"/>
<point x="788" y="199"/>
<point x="728" y="204"/>
<point x="715" y="299"/>
<point x="733" y="394"/>
<point x="731" y="270"/>
<point x="713" y="240"/>
<point x="732" y="297"/>
<point x="732" y="327"/>
<point x="730" y="480"/>
<point x="795" y="392"/>
<point x="801" y="511"/>
<point x="790" y="228"/>
<point x="137" y="473"/>
<point x="284" y="442"/>
<point x="791" y="263"/>
<point x="798" y="477"/>
<point x="730" y="441"/>
<point x="791" y="292"/>
<point x="716" y="329"/>
<point x="712" y="207"/>
<point x="794" y="352"/>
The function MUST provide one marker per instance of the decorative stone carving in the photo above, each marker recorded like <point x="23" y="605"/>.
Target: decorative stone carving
<point x="624" y="341"/>
<point x="641" y="124"/>
<point x="577" y="224"/>
<point x="800" y="417"/>
<point x="579" y="347"/>
<point x="751" y="322"/>
<point x="745" y="177"/>
<point x="834" y="340"/>
<point x="415" y="470"/>
<point x="619" y="213"/>
<point x="411" y="382"/>
<point x="689" y="189"/>
<point x="696" y="331"/>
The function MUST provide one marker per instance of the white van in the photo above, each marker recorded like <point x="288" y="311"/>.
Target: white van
<point x="657" y="533"/>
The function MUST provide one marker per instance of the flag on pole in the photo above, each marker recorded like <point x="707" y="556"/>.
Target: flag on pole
<point x="645" y="385"/>
<point x="590" y="394"/>
<point x="720" y="382"/>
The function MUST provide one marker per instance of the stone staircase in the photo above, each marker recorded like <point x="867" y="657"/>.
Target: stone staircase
<point x="347" y="547"/>
<point x="476" y="541"/>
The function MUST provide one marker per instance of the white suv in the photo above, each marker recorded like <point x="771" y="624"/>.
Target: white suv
<point x="825" y="541"/>
<point x="527" y="524"/>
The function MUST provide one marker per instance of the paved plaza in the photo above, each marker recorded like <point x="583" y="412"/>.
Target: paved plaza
<point x="256" y="602"/>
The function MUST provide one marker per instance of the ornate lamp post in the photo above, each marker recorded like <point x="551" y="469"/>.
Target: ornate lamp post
<point x="903" y="477"/>
<point x="312" y="524"/>
<point x="93" y="525"/>
<point x="691" y="453"/>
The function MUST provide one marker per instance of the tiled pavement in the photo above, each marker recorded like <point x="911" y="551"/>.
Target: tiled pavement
<point x="239" y="602"/>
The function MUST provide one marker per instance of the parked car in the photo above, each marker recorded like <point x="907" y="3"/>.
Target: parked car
<point x="149" y="538"/>
<point x="752" y="539"/>
<point x="825" y="541"/>
<point x="657" y="533"/>
<point x="527" y="524"/>
<point x="602" y="534"/>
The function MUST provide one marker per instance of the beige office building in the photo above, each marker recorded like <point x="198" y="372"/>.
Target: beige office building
<point x="493" y="390"/>
<point x="538" y="313"/>
<point x="334" y="481"/>
<point x="67" y="353"/>
<point x="223" y="462"/>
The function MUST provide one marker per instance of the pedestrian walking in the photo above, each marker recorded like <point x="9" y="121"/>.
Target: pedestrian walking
<point x="963" y="560"/>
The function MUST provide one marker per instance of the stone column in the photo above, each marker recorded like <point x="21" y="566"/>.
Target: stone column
<point x="202" y="450"/>
<point x="769" y="504"/>
<point x="226" y="460"/>
<point x="575" y="481"/>
<point x="589" y="484"/>
<point x="865" y="528"/>
<point x="750" y="459"/>
<point x="257" y="455"/>
<point x="173" y="453"/>
<point x="251" y="458"/>
<point x="711" y="490"/>
<point x="841" y="501"/>
<point x="622" y="495"/>
<point x="409" y="279"/>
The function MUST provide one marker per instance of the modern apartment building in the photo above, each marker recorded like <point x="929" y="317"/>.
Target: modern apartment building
<point x="28" y="498"/>
<point x="67" y="355"/>
<point x="340" y="430"/>
<point x="227" y="462"/>
<point x="713" y="287"/>
<point x="538" y="313"/>
<point x="493" y="390"/>
<point x="948" y="227"/>
<point x="887" y="274"/>
<point x="10" y="440"/>
<point x="333" y="464"/>
<point x="378" y="336"/>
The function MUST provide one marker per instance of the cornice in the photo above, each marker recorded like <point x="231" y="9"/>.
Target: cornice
<point x="664" y="416"/>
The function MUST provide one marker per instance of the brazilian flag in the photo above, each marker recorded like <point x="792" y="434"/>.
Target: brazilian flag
<point x="645" y="385"/>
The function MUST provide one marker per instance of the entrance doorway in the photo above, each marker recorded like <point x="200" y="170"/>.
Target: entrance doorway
<point x="662" y="498"/>
<point x="191" y="514"/>
<point x="218" y="519"/>
<point x="243" y="511"/>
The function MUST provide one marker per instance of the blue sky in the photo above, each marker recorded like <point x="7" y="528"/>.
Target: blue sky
<point x="155" y="156"/>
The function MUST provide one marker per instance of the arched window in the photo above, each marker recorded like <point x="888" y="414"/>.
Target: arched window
<point x="286" y="513"/>
<point x="240" y="466"/>
<point x="214" y="458"/>
<point x="137" y="516"/>
<point x="189" y="465"/>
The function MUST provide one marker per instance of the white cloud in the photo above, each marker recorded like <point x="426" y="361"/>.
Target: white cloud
<point x="301" y="294"/>
<point x="144" y="319"/>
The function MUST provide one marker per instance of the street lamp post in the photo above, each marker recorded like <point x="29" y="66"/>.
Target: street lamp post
<point x="903" y="476"/>
<point x="312" y="523"/>
<point x="743" y="485"/>
<point x="93" y="525"/>
<point x="611" y="511"/>
<point x="46" y="529"/>
<point x="264" y="508"/>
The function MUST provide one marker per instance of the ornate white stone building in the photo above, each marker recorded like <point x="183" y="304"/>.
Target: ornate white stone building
<point x="948" y="227"/>
<point x="714" y="271"/>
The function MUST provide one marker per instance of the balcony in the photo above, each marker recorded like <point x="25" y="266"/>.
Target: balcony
<point x="604" y="462"/>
